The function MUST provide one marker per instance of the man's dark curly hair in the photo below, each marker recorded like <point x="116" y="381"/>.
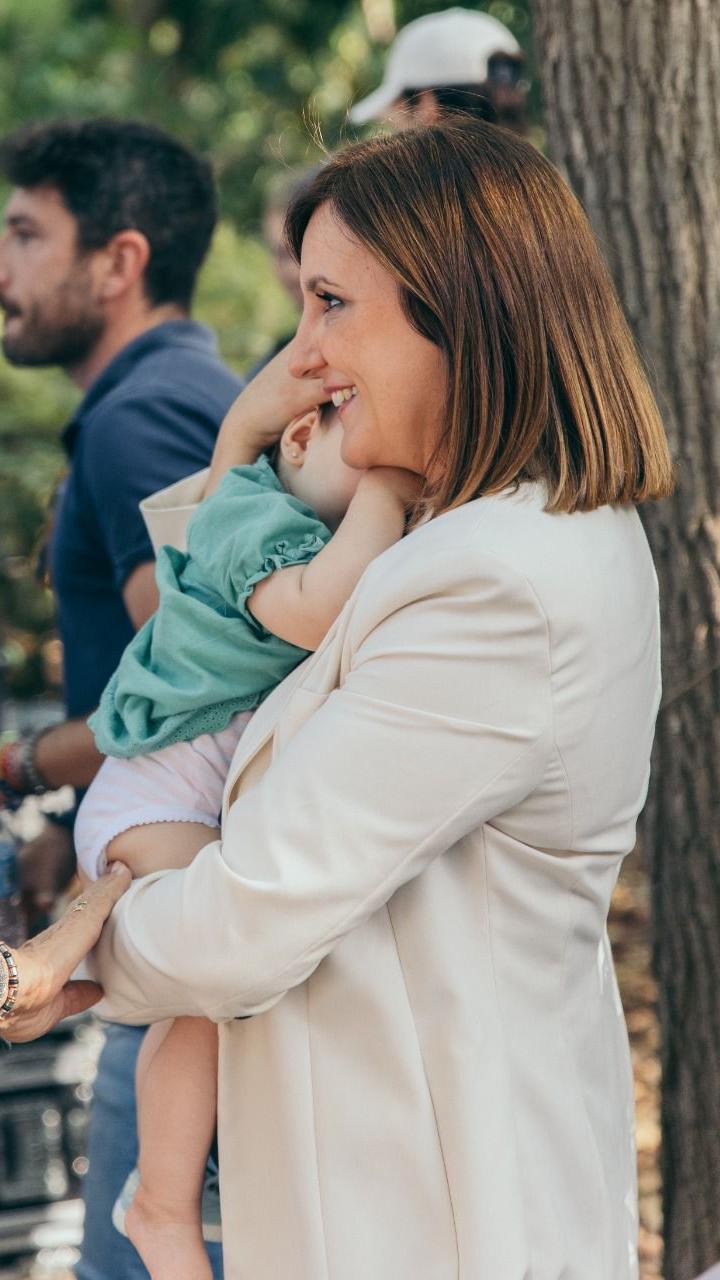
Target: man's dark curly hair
<point x="113" y="175"/>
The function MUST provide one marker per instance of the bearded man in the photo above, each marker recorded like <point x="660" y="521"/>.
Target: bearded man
<point x="104" y="235"/>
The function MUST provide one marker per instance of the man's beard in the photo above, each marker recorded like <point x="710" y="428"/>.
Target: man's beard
<point x="61" y="329"/>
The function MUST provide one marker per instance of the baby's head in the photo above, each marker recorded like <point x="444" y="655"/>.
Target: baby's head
<point x="309" y="465"/>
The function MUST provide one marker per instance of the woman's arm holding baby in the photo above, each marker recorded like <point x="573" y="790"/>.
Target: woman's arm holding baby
<point x="300" y="603"/>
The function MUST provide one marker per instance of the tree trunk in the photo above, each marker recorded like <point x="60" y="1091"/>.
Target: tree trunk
<point x="632" y="97"/>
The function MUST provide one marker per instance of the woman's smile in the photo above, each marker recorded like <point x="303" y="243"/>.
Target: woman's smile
<point x="341" y="396"/>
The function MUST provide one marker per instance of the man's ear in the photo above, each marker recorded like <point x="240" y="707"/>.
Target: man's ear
<point x="297" y="435"/>
<point x="124" y="261"/>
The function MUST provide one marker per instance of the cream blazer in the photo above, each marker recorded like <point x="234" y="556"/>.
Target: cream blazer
<point x="422" y="829"/>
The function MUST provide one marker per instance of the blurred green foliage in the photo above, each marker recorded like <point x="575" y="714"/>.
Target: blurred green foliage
<point x="254" y="83"/>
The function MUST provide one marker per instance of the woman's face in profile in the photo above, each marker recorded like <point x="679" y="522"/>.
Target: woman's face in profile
<point x="388" y="381"/>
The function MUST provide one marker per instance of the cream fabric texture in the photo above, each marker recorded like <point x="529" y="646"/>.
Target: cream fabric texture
<point x="422" y="829"/>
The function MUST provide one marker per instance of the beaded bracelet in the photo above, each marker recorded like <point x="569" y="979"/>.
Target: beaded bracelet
<point x="34" y="784"/>
<point x="9" y="981"/>
<point x="17" y="766"/>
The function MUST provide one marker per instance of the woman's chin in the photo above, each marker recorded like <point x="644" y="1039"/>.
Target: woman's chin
<point x="355" y="454"/>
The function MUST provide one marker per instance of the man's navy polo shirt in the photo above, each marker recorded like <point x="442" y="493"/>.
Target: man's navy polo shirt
<point x="150" y="418"/>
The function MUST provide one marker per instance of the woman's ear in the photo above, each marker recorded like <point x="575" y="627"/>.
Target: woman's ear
<point x="297" y="436"/>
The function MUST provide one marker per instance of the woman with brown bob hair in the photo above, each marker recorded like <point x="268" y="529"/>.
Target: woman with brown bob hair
<point x="424" y="1065"/>
<point x="497" y="266"/>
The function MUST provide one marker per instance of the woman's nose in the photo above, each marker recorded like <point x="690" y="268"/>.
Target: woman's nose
<point x="305" y="358"/>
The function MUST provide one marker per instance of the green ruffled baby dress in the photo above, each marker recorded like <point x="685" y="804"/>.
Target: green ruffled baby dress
<point x="203" y="656"/>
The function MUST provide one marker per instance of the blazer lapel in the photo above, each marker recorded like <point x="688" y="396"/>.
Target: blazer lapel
<point x="282" y="714"/>
<point x="289" y="706"/>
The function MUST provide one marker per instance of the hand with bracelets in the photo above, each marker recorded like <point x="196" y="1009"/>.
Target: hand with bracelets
<point x="19" y="776"/>
<point x="36" y="990"/>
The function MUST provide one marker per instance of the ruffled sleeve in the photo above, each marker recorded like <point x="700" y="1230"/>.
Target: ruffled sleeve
<point x="203" y="656"/>
<point x="248" y="529"/>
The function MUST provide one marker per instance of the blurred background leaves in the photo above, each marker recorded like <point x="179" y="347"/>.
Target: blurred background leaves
<point x="253" y="83"/>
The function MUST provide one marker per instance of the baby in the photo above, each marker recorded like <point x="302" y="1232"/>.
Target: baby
<point x="273" y="555"/>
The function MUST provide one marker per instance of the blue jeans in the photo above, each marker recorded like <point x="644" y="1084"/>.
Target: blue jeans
<point x="112" y="1154"/>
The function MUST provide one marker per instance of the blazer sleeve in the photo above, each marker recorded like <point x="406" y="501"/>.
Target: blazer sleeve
<point x="442" y="721"/>
<point x="167" y="513"/>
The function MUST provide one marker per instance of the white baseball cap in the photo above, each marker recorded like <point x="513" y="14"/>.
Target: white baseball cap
<point x="452" y="47"/>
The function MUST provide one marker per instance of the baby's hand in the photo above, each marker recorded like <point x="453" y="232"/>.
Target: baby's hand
<point x="272" y="399"/>
<point x="396" y="482"/>
<point x="260" y="414"/>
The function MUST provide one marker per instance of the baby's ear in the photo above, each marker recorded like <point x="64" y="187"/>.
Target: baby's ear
<point x="296" y="437"/>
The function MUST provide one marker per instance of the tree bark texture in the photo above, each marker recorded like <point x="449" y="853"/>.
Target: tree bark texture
<point x="632" y="98"/>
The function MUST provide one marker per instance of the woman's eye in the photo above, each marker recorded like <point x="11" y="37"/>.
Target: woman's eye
<point x="331" y="302"/>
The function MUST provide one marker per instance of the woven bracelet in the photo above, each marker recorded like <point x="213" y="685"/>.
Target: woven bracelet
<point x="11" y="764"/>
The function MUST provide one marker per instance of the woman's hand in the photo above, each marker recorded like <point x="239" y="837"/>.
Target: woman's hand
<point x="260" y="414"/>
<point x="45" y="963"/>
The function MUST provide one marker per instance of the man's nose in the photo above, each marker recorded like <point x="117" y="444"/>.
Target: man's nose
<point x="3" y="261"/>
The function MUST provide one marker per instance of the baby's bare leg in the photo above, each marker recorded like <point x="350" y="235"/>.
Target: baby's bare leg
<point x="177" y="1102"/>
<point x="176" y="1091"/>
<point x="160" y="846"/>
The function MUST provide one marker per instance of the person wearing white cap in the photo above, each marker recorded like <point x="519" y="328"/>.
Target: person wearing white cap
<point x="456" y="60"/>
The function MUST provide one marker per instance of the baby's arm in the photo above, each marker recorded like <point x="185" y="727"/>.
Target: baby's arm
<point x="300" y="603"/>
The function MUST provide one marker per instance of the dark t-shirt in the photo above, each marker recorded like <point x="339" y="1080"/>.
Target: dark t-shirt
<point x="149" y="419"/>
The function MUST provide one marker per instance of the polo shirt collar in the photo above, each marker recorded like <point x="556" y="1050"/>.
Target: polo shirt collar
<point x="171" y="333"/>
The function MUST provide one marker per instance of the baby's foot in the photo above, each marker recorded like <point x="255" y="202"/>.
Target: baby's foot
<point x="168" y="1238"/>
